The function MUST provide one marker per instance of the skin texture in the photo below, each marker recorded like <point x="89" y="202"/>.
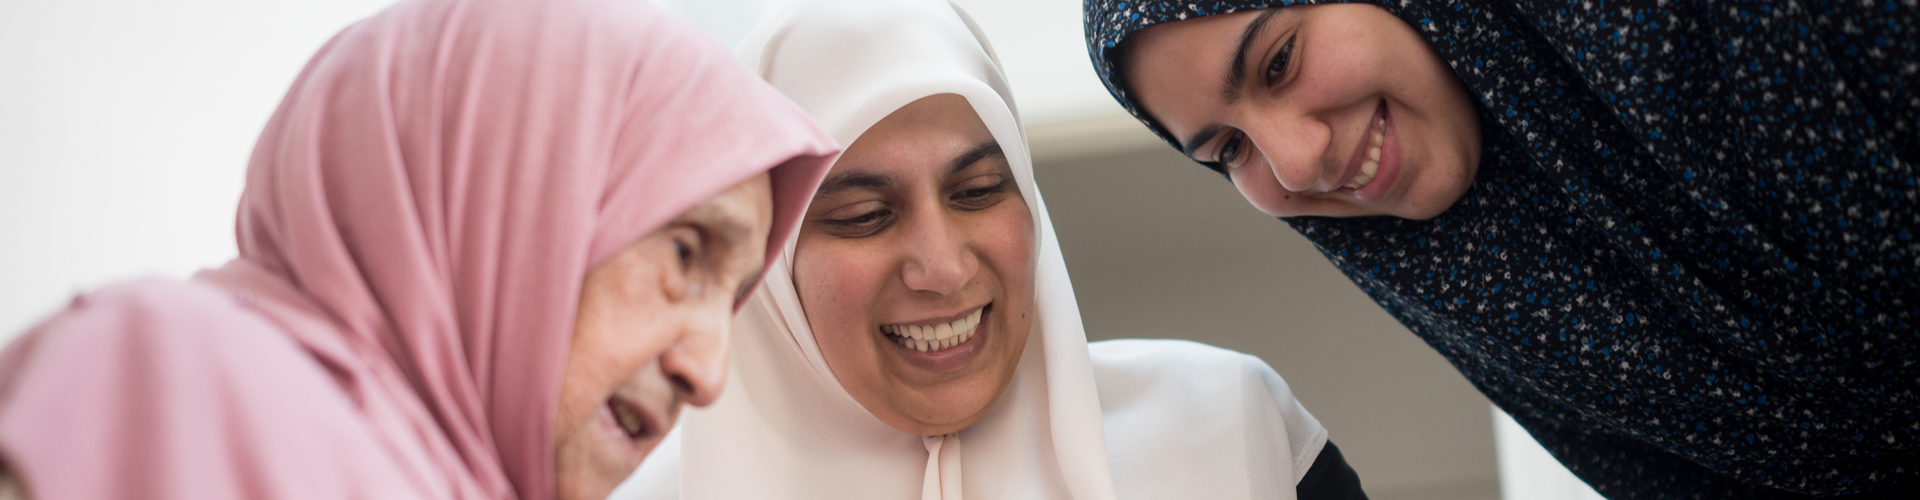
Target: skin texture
<point x="1293" y="133"/>
<point x="925" y="243"/>
<point x="652" y="333"/>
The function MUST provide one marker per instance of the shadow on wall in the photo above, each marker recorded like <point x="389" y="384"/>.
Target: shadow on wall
<point x="1160" y="247"/>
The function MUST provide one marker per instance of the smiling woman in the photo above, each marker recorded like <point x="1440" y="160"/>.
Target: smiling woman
<point x="1674" y="240"/>
<point x="921" y="338"/>
<point x="1335" y="110"/>
<point x="915" y="268"/>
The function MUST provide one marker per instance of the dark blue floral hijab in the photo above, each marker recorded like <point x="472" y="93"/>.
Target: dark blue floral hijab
<point x="1690" y="262"/>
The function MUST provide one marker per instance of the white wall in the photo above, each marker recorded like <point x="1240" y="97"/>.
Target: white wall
<point x="124" y="131"/>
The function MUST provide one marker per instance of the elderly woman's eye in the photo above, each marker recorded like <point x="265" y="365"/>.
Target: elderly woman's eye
<point x="685" y="251"/>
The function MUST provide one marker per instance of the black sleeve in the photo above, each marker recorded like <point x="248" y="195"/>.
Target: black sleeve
<point x="1330" y="478"/>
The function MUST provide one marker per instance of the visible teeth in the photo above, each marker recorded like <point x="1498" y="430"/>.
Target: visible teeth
<point x="1371" y="167"/>
<point x="944" y="336"/>
<point x="628" y="420"/>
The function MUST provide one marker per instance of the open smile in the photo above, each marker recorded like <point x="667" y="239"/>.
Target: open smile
<point x="1376" y="159"/>
<point x="941" y="345"/>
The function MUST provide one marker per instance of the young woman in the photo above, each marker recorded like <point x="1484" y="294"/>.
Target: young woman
<point x="1674" y="239"/>
<point x="487" y="250"/>
<point x="920" y="338"/>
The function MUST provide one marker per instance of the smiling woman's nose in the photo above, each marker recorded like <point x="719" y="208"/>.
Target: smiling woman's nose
<point x="1292" y="148"/>
<point x="938" y="259"/>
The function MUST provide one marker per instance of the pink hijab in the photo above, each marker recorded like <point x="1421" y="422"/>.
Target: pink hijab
<point x="418" y="217"/>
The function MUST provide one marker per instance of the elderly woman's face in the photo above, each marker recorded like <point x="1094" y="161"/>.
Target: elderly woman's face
<point x="915" y="268"/>
<point x="1336" y="110"/>
<point x="652" y="333"/>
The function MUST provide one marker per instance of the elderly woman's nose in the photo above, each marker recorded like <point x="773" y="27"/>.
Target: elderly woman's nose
<point x="697" y="365"/>
<point x="938" y="258"/>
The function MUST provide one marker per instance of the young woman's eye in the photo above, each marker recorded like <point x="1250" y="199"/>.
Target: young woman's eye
<point x="1230" y="150"/>
<point x="1277" y="67"/>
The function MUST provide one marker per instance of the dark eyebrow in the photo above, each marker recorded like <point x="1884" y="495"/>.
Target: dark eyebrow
<point x="1201" y="138"/>
<point x="1230" y="88"/>
<point x="979" y="152"/>
<point x="854" y="179"/>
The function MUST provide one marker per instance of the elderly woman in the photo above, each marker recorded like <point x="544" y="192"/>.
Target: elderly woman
<point x="920" y="338"/>
<point x="488" y="248"/>
<point x="1675" y="240"/>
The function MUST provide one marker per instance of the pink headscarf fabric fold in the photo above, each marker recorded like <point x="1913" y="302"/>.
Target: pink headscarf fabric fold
<point x="418" y="217"/>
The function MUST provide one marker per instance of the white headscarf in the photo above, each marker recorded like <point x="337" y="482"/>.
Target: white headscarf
<point x="1179" y="417"/>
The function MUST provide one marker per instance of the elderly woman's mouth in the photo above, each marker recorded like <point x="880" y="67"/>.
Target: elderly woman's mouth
<point x="936" y="336"/>
<point x="632" y="420"/>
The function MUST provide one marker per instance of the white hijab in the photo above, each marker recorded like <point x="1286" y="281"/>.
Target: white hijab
<point x="1182" y="420"/>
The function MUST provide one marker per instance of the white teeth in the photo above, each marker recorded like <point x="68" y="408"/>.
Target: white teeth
<point x="939" y="337"/>
<point x="1371" y="166"/>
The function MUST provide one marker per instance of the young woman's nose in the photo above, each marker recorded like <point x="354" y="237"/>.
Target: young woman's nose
<point x="697" y="364"/>
<point x="938" y="257"/>
<point x="1294" y="147"/>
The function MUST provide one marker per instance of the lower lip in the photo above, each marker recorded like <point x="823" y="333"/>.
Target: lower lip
<point x="1389" y="171"/>
<point x="617" y="438"/>
<point x="951" y="358"/>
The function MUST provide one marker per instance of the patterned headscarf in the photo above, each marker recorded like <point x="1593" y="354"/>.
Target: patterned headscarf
<point x="1688" y="262"/>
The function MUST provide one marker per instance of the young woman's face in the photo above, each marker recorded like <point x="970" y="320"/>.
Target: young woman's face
<point x="652" y="333"/>
<point x="915" y="268"/>
<point x="1336" y="110"/>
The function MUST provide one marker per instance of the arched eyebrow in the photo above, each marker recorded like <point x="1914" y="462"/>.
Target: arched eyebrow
<point x="1237" y="75"/>
<point x="1201" y="138"/>
<point x="1230" y="86"/>
<point x="979" y="152"/>
<point x="852" y="179"/>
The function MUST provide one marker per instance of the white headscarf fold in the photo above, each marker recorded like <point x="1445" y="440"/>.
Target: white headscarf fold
<point x="1193" y="421"/>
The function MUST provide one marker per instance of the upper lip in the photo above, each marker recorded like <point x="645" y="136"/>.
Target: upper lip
<point x="650" y="424"/>
<point x="1360" y="147"/>
<point x="943" y="319"/>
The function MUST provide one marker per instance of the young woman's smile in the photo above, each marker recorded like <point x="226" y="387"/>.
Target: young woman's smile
<point x="1335" y="110"/>
<point x="915" y="268"/>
